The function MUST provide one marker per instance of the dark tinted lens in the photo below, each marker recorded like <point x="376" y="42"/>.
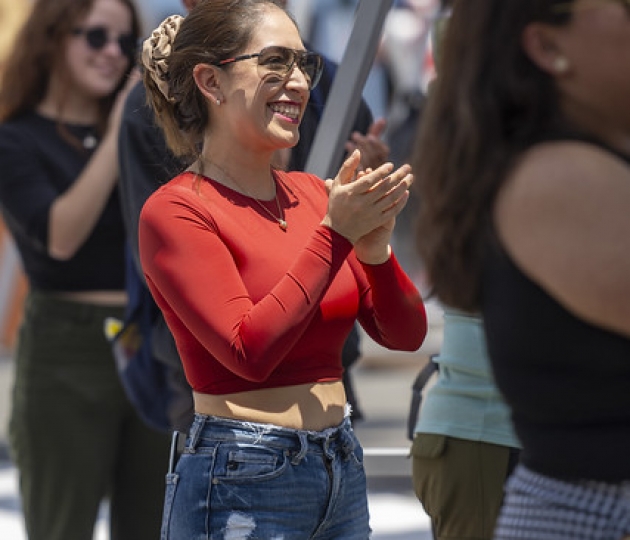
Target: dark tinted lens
<point x="276" y="60"/>
<point x="311" y="65"/>
<point x="96" y="37"/>
<point x="280" y="60"/>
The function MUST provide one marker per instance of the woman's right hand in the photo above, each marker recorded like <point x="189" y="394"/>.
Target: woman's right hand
<point x="359" y="203"/>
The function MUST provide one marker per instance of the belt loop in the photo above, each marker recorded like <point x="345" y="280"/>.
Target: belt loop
<point x="195" y="431"/>
<point x="303" y="448"/>
<point x="347" y="441"/>
<point x="326" y="442"/>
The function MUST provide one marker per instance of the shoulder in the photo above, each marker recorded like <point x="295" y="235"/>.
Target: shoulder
<point x="21" y="139"/>
<point x="562" y="216"/>
<point x="174" y="195"/>
<point x="18" y="127"/>
<point x="578" y="173"/>
<point x="572" y="155"/>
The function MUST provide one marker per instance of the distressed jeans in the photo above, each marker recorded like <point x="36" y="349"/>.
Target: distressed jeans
<point x="240" y="480"/>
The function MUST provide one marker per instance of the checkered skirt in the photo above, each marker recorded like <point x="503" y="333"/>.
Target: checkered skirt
<point x="537" y="507"/>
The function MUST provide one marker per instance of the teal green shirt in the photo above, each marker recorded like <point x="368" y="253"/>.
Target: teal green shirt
<point x="464" y="402"/>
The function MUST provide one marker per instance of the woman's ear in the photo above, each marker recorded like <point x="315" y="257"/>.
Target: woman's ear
<point x="541" y="45"/>
<point x="207" y="80"/>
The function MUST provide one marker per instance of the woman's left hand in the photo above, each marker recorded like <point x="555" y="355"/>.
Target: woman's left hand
<point x="374" y="247"/>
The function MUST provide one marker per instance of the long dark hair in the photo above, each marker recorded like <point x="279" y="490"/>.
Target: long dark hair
<point x="213" y="31"/>
<point x="37" y="50"/>
<point x="488" y="103"/>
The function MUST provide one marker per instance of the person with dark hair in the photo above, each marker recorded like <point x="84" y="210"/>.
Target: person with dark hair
<point x="464" y="446"/>
<point x="74" y="436"/>
<point x="146" y="163"/>
<point x="260" y="275"/>
<point x="524" y="177"/>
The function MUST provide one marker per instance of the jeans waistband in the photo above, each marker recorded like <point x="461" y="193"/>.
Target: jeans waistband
<point x="328" y="441"/>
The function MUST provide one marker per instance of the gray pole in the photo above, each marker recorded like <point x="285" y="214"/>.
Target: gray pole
<point x="343" y="102"/>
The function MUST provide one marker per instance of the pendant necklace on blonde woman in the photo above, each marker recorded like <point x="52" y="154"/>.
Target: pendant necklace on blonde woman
<point x="279" y="218"/>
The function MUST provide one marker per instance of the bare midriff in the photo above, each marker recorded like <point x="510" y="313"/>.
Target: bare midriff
<point x="101" y="298"/>
<point x="313" y="406"/>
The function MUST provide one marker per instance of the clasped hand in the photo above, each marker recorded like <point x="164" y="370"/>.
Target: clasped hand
<point x="363" y="206"/>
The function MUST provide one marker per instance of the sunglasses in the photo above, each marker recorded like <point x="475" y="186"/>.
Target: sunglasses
<point x="568" y="7"/>
<point x="278" y="62"/>
<point x="97" y="37"/>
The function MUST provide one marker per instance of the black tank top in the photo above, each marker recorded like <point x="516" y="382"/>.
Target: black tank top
<point x="566" y="381"/>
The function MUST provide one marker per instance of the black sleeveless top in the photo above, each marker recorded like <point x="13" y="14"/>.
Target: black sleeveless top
<point x="566" y="381"/>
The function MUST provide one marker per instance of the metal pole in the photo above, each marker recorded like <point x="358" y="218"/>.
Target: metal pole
<point x="343" y="102"/>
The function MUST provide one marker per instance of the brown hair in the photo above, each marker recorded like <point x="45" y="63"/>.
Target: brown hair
<point x="37" y="51"/>
<point x="213" y="31"/>
<point x="488" y="103"/>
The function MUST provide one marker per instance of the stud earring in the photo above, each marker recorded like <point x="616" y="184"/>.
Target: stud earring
<point x="218" y="102"/>
<point x="560" y="64"/>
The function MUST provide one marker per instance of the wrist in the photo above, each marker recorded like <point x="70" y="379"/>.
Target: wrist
<point x="374" y="257"/>
<point x="326" y="222"/>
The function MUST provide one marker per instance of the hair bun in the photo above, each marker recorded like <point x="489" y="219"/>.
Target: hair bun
<point x="156" y="50"/>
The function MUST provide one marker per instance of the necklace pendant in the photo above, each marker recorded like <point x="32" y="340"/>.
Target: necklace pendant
<point x="283" y="224"/>
<point x="89" y="142"/>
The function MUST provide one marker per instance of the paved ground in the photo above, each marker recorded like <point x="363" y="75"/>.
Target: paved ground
<point x="383" y="383"/>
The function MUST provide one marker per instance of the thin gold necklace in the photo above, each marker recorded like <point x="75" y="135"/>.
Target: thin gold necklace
<point x="281" y="222"/>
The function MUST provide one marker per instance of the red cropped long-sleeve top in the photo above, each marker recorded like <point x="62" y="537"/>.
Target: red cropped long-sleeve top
<point x="253" y="306"/>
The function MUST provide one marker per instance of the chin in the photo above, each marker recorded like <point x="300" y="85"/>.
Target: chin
<point x="290" y="140"/>
<point x="103" y="90"/>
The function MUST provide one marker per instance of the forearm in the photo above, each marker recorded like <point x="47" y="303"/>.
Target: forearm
<point x="74" y="214"/>
<point x="392" y="311"/>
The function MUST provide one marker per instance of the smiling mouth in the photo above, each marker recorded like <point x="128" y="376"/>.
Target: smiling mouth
<point x="289" y="111"/>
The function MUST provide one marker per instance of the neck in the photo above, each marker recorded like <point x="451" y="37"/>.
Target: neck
<point x="606" y="128"/>
<point x="256" y="182"/>
<point x="66" y="106"/>
<point x="264" y="186"/>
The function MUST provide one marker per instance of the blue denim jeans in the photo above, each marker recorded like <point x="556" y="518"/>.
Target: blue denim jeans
<point x="240" y="480"/>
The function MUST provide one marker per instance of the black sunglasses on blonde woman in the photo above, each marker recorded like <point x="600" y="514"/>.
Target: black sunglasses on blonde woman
<point x="97" y="37"/>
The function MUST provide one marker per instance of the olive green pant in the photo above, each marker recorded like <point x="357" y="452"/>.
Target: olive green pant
<point x="460" y="484"/>
<point x="75" y="438"/>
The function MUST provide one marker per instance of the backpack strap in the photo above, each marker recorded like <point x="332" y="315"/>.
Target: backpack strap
<point x="416" y="394"/>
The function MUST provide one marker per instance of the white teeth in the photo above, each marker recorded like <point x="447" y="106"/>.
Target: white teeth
<point x="292" y="111"/>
